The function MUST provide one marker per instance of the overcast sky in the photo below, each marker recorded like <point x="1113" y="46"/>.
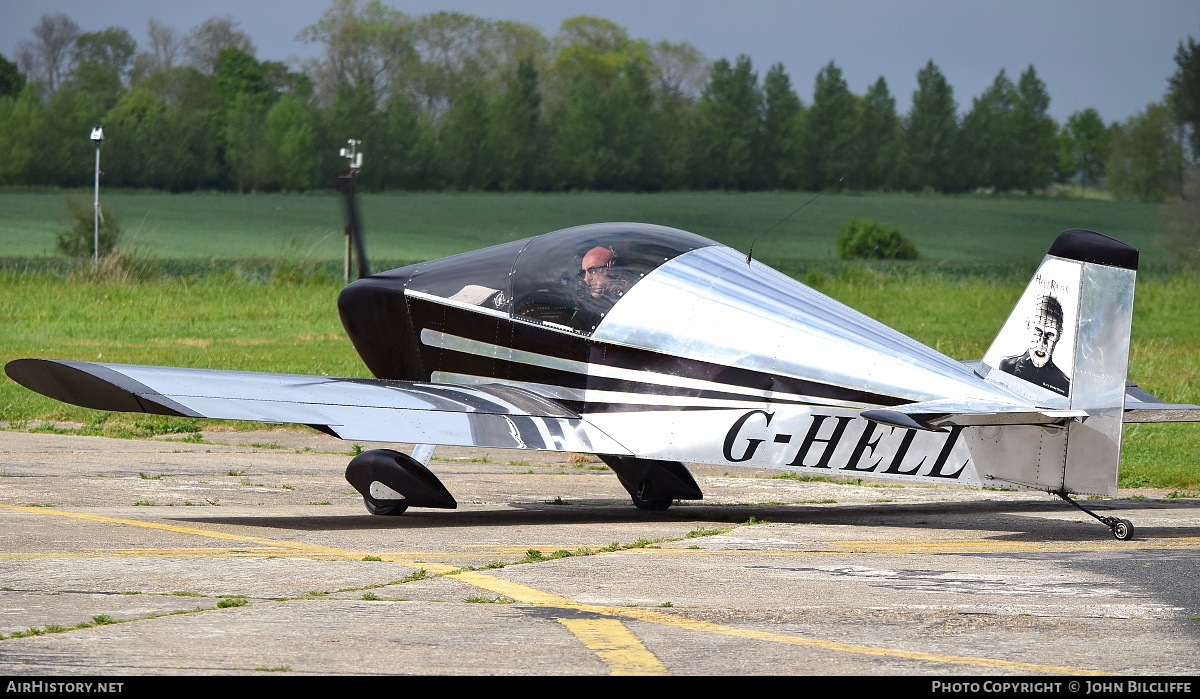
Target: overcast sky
<point x="1114" y="55"/>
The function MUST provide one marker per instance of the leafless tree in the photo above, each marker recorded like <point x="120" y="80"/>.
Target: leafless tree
<point x="207" y="39"/>
<point x="47" y="55"/>
<point x="514" y="42"/>
<point x="365" y="47"/>
<point x="682" y="69"/>
<point x="454" y="48"/>
<point x="165" y="44"/>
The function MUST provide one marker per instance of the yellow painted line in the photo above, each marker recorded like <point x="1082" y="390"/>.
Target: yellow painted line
<point x="271" y="546"/>
<point x="985" y="545"/>
<point x="519" y="592"/>
<point x="842" y="548"/>
<point x="523" y="549"/>
<point x="691" y="624"/>
<point x="529" y="595"/>
<point x="177" y="553"/>
<point x="138" y="523"/>
<point x="616" y="645"/>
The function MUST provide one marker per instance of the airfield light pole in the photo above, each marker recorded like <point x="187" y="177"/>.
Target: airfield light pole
<point x="97" y="138"/>
<point x="355" y="157"/>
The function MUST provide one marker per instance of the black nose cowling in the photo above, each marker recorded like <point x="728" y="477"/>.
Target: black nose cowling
<point x="376" y="318"/>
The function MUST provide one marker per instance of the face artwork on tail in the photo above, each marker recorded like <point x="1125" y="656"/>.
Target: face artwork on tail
<point x="1037" y="364"/>
<point x="1037" y="344"/>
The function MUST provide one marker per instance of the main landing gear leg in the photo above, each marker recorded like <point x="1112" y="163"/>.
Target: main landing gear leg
<point x="1122" y="529"/>
<point x="653" y="484"/>
<point x="391" y="482"/>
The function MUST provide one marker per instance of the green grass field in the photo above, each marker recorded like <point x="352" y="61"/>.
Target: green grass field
<point x="415" y="227"/>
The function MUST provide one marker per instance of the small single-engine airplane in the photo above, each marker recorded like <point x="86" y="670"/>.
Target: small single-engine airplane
<point x="651" y="346"/>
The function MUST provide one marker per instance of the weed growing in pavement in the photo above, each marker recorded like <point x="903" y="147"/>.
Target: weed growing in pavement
<point x="418" y="574"/>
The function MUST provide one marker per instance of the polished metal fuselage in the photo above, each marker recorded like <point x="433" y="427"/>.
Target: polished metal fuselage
<point x="737" y="363"/>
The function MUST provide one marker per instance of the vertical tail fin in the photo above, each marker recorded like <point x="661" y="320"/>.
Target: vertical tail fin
<point x="1066" y="346"/>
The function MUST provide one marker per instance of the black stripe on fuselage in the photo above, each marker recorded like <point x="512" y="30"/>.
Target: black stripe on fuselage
<point x="528" y="373"/>
<point x="529" y="337"/>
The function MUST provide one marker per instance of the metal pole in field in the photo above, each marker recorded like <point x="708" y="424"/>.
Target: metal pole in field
<point x="97" y="138"/>
<point x="355" y="157"/>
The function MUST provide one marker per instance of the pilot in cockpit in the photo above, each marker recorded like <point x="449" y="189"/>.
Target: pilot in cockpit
<point x="605" y="278"/>
<point x="604" y="273"/>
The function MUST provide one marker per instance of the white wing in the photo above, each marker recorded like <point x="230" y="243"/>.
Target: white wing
<point x="364" y="409"/>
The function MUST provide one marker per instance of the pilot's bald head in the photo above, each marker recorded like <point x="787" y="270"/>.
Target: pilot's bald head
<point x="598" y="272"/>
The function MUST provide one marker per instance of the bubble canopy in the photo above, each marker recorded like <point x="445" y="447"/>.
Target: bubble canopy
<point x="569" y="279"/>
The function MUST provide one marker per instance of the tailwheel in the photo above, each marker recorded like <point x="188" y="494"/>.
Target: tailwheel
<point x="1122" y="529"/>
<point x="384" y="507"/>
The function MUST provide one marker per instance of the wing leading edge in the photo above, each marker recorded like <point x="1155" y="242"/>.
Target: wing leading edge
<point x="364" y="409"/>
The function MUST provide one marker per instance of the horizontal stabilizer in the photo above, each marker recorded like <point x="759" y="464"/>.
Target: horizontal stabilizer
<point x="363" y="409"/>
<point x="1140" y="406"/>
<point x="937" y="415"/>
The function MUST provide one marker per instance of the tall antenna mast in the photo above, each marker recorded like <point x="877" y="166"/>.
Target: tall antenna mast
<point x="97" y="138"/>
<point x="750" y="255"/>
<point x="353" y="229"/>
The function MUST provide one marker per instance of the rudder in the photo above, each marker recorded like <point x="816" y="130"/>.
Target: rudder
<point x="1066" y="346"/>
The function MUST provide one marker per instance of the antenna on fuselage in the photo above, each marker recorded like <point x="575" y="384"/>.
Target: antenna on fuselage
<point x="750" y="255"/>
<point x="354" y="235"/>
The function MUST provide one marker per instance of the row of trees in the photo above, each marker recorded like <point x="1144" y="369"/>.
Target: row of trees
<point x="450" y="101"/>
